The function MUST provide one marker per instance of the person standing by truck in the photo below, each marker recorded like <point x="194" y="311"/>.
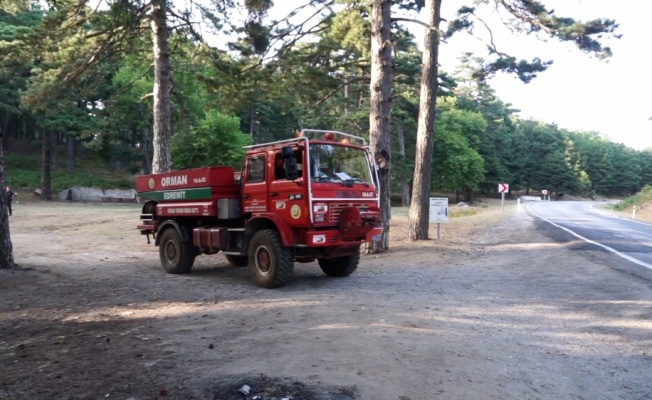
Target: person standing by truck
<point x="10" y="197"/>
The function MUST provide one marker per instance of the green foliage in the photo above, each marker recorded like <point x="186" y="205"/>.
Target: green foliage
<point x="525" y="70"/>
<point x="498" y="144"/>
<point x="639" y="199"/>
<point x="22" y="161"/>
<point x="24" y="172"/>
<point x="532" y="17"/>
<point x="217" y="140"/>
<point x="61" y="180"/>
<point x="456" y="164"/>
<point x="594" y="156"/>
<point x="645" y="161"/>
<point x="86" y="74"/>
<point x="626" y="170"/>
<point x="462" y="212"/>
<point x="17" y="21"/>
<point x="544" y="163"/>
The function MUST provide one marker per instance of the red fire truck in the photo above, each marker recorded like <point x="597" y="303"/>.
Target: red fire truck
<point x="313" y="197"/>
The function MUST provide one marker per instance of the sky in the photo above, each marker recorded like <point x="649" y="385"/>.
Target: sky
<point x="578" y="92"/>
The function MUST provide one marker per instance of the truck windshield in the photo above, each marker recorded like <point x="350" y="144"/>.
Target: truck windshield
<point x="341" y="164"/>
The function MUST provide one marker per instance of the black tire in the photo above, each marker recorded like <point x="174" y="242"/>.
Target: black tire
<point x="237" y="261"/>
<point x="271" y="264"/>
<point x="341" y="266"/>
<point x="177" y="257"/>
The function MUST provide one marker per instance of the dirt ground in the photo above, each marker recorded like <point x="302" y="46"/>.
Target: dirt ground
<point x="501" y="307"/>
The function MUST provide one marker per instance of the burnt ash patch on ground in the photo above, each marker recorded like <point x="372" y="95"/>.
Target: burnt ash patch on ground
<point x="262" y="387"/>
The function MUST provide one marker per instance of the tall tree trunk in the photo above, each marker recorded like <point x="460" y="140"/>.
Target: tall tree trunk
<point x="469" y="196"/>
<point x="4" y="124"/>
<point x="419" y="207"/>
<point x="70" y="151"/>
<point x="252" y="123"/>
<point x="30" y="129"/>
<point x="6" y="248"/>
<point x="162" y="160"/>
<point x="46" y="173"/>
<point x="405" y="185"/>
<point x="380" y="115"/>
<point x="54" y="155"/>
<point x="346" y="96"/>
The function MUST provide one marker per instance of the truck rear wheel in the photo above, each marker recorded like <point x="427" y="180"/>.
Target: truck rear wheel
<point x="270" y="263"/>
<point x="177" y="257"/>
<point x="341" y="266"/>
<point x="237" y="261"/>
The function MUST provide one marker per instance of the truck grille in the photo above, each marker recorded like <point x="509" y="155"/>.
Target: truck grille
<point x="334" y="210"/>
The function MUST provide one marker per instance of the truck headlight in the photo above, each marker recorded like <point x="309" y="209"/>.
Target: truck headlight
<point x="320" y="208"/>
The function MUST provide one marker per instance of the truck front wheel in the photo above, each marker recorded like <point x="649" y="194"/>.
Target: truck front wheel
<point x="341" y="266"/>
<point x="270" y="263"/>
<point x="177" y="256"/>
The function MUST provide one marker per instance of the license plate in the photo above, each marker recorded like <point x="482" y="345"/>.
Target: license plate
<point x="376" y="238"/>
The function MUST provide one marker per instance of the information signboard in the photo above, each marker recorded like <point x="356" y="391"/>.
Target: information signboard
<point x="439" y="209"/>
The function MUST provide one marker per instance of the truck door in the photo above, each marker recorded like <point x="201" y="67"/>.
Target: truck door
<point x="254" y="190"/>
<point x="287" y="197"/>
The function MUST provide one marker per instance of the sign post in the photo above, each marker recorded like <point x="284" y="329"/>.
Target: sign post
<point x="438" y="211"/>
<point x="502" y="189"/>
<point x="544" y="192"/>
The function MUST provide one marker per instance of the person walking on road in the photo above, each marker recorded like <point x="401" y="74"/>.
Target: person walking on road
<point x="10" y="197"/>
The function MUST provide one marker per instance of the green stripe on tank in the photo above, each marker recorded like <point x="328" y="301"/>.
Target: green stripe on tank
<point x="177" y="195"/>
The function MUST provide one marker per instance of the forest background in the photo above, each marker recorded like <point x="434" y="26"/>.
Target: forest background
<point x="80" y="99"/>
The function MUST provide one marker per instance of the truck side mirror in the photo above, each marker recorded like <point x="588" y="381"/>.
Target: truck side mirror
<point x="291" y="170"/>
<point x="287" y="152"/>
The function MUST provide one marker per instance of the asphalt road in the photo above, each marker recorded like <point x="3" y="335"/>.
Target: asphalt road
<point x="626" y="244"/>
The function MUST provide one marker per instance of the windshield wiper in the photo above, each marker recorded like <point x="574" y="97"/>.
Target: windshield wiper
<point x="351" y="181"/>
<point x="321" y="178"/>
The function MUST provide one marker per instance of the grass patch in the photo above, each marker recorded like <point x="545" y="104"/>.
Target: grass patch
<point x="462" y="212"/>
<point x="23" y="171"/>
<point x="453" y="212"/>
<point x="639" y="199"/>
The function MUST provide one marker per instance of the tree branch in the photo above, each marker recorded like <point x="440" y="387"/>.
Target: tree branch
<point x="492" y="45"/>
<point x="337" y="89"/>
<point x="416" y="21"/>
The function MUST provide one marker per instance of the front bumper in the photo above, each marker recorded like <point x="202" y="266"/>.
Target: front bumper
<point x="328" y="238"/>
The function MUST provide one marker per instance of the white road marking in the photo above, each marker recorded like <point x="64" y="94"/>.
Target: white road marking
<point x="609" y="249"/>
<point x="599" y="211"/>
<point x="631" y="231"/>
<point x="592" y="207"/>
<point x="574" y="219"/>
<point x="613" y="229"/>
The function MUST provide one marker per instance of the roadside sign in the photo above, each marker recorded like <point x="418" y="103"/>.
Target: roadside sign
<point x="438" y="209"/>
<point x="544" y="191"/>
<point x="502" y="189"/>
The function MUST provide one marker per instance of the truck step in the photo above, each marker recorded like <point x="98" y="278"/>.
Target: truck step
<point x="146" y="217"/>
<point x="236" y="229"/>
<point x="233" y="253"/>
